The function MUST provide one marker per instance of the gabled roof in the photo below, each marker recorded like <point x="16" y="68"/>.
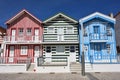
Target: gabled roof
<point x="97" y="15"/>
<point x="60" y="14"/>
<point x="117" y="14"/>
<point x="20" y="14"/>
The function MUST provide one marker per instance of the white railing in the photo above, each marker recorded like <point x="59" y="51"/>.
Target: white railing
<point x="23" y="38"/>
<point x="60" y="38"/>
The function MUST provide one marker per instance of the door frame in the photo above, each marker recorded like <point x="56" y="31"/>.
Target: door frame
<point x="36" y="37"/>
<point x="13" y="37"/>
<point x="60" y="35"/>
<point x="11" y="57"/>
<point x="72" y="54"/>
<point x="97" y="47"/>
<point x="96" y="34"/>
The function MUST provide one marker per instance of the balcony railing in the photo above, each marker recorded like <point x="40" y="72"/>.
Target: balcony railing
<point x="105" y="59"/>
<point x="100" y="36"/>
<point x="61" y="38"/>
<point x="22" y="39"/>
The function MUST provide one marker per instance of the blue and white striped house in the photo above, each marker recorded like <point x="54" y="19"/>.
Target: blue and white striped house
<point x="97" y="38"/>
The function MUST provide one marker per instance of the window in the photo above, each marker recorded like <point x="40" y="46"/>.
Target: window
<point x="108" y="48"/>
<point x="85" y="32"/>
<point x="51" y="30"/>
<point x="29" y="31"/>
<point x="21" y="31"/>
<point x="60" y="30"/>
<point x="96" y="29"/>
<point x="24" y="50"/>
<point x="70" y="30"/>
<point x="60" y="49"/>
<point x="109" y="32"/>
<point x="48" y="49"/>
<point x="72" y="48"/>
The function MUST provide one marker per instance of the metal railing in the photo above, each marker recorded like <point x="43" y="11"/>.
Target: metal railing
<point x="105" y="59"/>
<point x="100" y="36"/>
<point x="52" y="61"/>
<point x="23" y="38"/>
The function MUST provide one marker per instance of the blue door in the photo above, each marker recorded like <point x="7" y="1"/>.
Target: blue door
<point x="97" y="51"/>
<point x="96" y="32"/>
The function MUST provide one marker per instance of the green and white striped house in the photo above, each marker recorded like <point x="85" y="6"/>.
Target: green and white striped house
<point x="60" y="38"/>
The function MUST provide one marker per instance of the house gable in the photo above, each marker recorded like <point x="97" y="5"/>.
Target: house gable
<point x="97" y="15"/>
<point x="21" y="15"/>
<point x="61" y="18"/>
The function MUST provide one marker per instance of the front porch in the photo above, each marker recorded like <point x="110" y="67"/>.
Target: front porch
<point x="40" y="64"/>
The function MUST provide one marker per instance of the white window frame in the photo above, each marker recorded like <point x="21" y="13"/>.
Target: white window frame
<point x="58" y="49"/>
<point x="50" y="30"/>
<point x="70" y="30"/>
<point x="29" y="31"/>
<point x="20" y="31"/>
<point x="24" y="50"/>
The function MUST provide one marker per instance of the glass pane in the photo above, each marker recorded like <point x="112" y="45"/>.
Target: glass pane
<point x="72" y="49"/>
<point x="96" y="29"/>
<point x="48" y="49"/>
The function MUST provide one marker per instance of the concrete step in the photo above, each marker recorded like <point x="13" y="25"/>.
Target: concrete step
<point x="31" y="68"/>
<point x="75" y="68"/>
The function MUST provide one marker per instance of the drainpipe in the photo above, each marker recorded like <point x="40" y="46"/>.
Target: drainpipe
<point x="82" y="57"/>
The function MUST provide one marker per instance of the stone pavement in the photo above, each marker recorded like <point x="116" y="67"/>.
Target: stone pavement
<point x="59" y="76"/>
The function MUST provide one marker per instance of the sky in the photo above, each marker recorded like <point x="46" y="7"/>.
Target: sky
<point x="44" y="9"/>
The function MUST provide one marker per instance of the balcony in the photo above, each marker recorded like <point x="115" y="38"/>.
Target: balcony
<point x="61" y="38"/>
<point x="101" y="37"/>
<point x="23" y="39"/>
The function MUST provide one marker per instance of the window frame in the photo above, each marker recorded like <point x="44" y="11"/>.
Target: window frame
<point x="48" y="49"/>
<point x="109" y="31"/>
<point x="60" y="49"/>
<point x="70" y="30"/>
<point x="72" y="48"/>
<point x="20" y="31"/>
<point x="29" y="31"/>
<point x="108" y="48"/>
<point x="96" y="29"/>
<point x="24" y="50"/>
<point x="51" y="30"/>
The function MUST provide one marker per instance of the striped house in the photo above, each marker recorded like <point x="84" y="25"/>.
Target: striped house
<point x="98" y="38"/>
<point x="23" y="38"/>
<point x="60" y="38"/>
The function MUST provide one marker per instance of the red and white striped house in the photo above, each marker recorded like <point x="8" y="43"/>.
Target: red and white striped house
<point x="23" y="38"/>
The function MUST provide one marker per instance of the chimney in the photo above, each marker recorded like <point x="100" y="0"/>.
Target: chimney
<point x="111" y="15"/>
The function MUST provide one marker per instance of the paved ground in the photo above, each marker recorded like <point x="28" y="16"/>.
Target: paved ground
<point x="38" y="76"/>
